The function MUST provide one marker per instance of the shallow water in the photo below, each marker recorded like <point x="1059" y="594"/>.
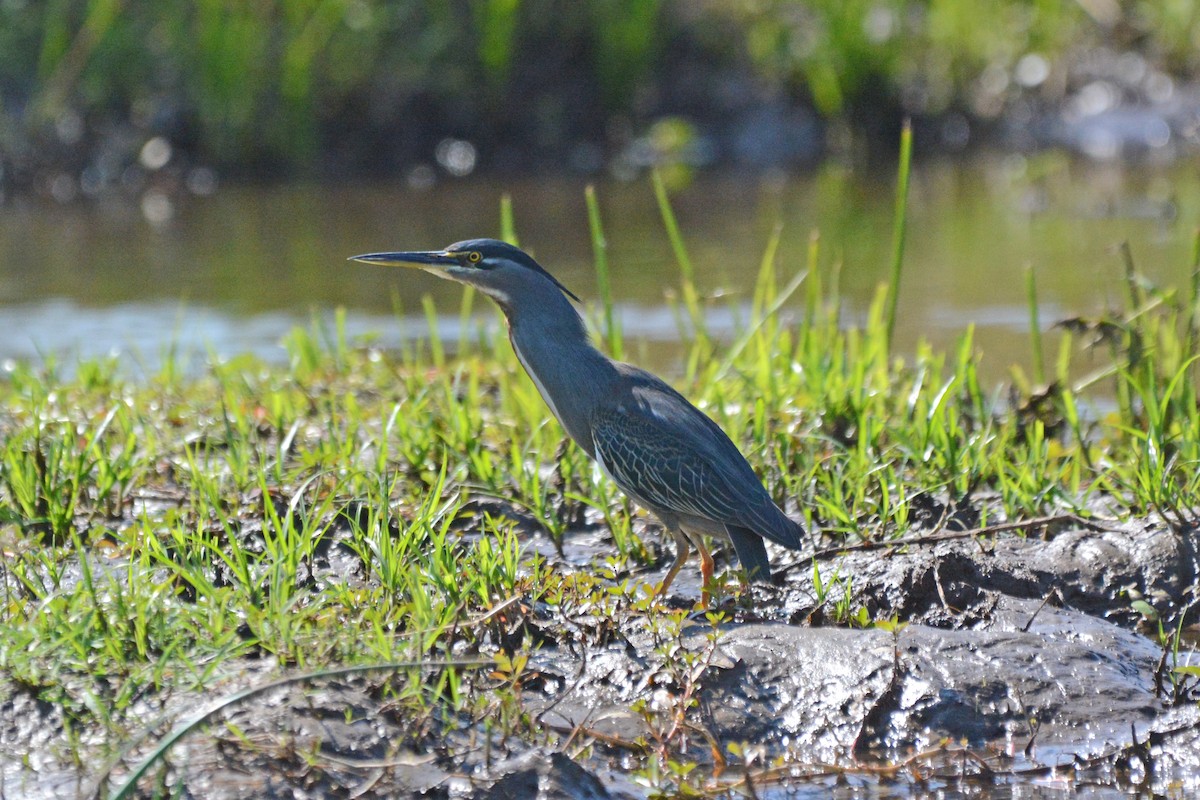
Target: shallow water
<point x="232" y="272"/>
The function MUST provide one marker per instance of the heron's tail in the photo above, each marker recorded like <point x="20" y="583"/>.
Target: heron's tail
<point x="751" y="552"/>
<point x="781" y="529"/>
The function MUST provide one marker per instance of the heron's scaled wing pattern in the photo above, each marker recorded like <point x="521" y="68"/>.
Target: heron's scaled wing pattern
<point x="665" y="452"/>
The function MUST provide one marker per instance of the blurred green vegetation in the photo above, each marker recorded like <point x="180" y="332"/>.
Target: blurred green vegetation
<point x="281" y="81"/>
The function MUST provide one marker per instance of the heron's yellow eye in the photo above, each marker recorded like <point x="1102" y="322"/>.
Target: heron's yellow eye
<point x="474" y="256"/>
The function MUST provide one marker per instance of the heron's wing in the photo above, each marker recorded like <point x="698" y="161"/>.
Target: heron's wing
<point x="654" y="463"/>
<point x="661" y="449"/>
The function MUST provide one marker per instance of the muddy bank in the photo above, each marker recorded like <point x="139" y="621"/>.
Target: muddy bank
<point x="991" y="660"/>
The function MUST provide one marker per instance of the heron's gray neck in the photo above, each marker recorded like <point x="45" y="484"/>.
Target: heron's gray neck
<point x="553" y="346"/>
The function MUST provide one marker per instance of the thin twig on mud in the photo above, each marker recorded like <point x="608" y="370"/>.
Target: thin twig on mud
<point x="1055" y="593"/>
<point x="604" y="738"/>
<point x="943" y="536"/>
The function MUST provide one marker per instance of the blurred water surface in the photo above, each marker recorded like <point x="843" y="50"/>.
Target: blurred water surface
<point x="234" y="271"/>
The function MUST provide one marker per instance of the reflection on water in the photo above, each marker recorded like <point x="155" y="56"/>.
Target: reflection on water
<point x="232" y="272"/>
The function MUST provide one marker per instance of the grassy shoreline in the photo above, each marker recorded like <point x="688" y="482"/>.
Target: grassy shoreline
<point x="356" y="506"/>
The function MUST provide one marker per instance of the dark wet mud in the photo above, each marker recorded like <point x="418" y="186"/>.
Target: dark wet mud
<point x="1006" y="663"/>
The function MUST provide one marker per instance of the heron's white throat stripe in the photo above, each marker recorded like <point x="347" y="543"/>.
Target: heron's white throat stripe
<point x="537" y="382"/>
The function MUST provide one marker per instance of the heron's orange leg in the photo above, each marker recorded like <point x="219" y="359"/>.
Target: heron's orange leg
<point x="706" y="574"/>
<point x="681" y="554"/>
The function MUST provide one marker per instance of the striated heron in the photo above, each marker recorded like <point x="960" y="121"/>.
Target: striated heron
<point x="656" y="446"/>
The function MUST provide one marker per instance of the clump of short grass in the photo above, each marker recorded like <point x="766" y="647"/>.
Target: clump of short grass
<point x="328" y="511"/>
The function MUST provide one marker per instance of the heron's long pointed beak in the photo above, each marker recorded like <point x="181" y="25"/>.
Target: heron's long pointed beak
<point x="416" y="260"/>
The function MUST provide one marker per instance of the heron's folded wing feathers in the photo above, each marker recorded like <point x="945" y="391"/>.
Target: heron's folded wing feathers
<point x="661" y="449"/>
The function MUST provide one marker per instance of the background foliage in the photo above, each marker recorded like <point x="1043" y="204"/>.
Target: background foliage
<point x="272" y="84"/>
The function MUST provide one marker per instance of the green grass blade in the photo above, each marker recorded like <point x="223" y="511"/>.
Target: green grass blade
<point x="1035" y="326"/>
<point x="508" y="227"/>
<point x="899" y="228"/>
<point x="812" y="300"/>
<point x="612" y="329"/>
<point x="672" y="227"/>
<point x="702" y="344"/>
<point x="1192" y="339"/>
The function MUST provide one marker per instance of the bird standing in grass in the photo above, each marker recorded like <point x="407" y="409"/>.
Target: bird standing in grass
<point x="657" y="447"/>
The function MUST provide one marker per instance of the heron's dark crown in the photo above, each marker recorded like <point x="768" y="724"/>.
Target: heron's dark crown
<point x="494" y="251"/>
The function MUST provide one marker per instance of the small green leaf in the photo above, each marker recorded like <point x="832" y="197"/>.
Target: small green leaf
<point x="1145" y="609"/>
